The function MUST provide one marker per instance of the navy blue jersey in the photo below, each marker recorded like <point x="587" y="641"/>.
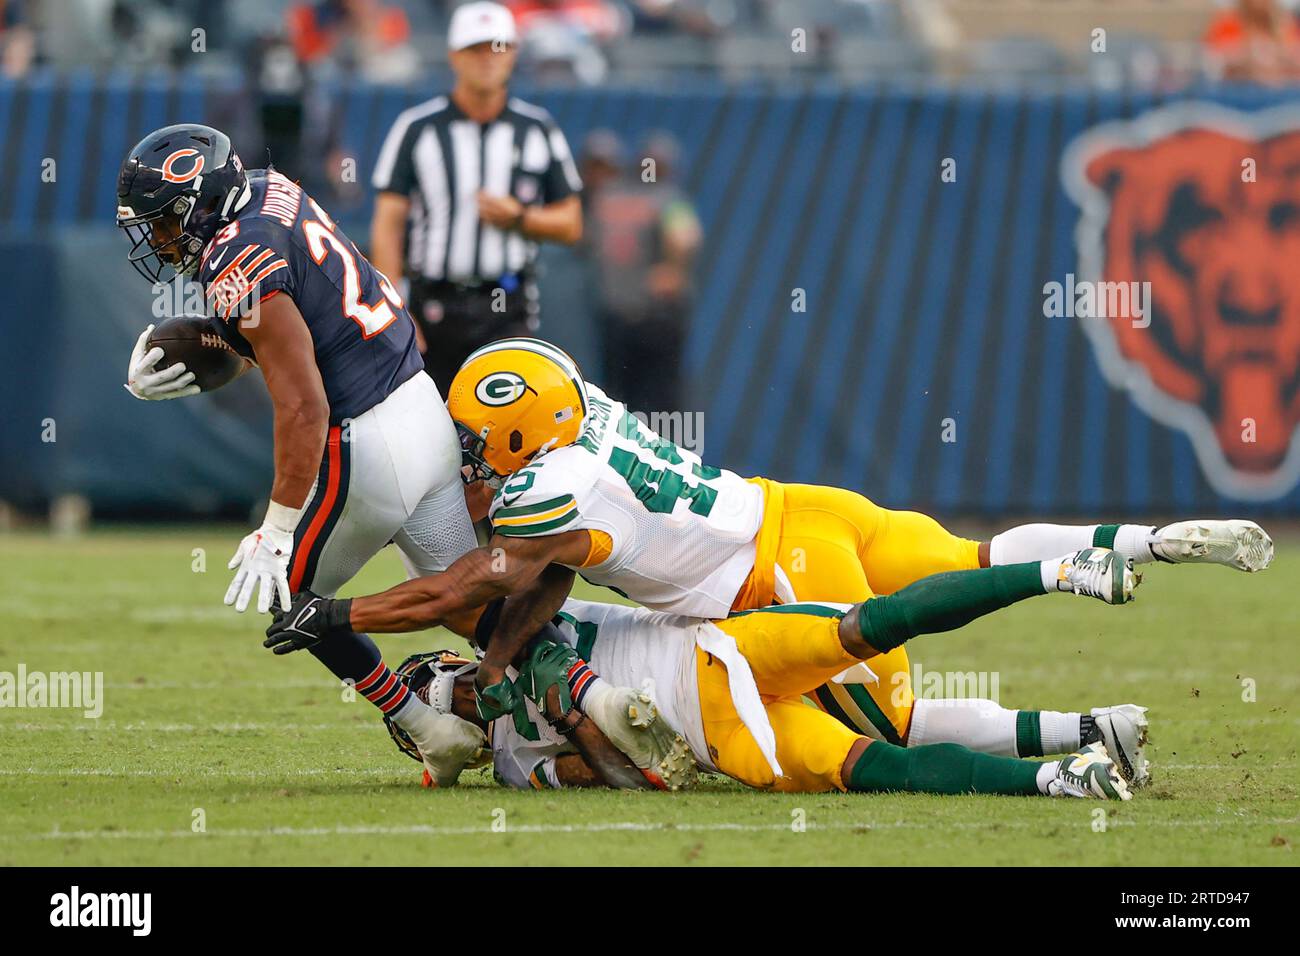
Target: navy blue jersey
<point x="282" y="241"/>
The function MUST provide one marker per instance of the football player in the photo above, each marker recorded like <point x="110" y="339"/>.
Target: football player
<point x="365" y="452"/>
<point x="583" y="484"/>
<point x="547" y="743"/>
<point x="734" y="689"/>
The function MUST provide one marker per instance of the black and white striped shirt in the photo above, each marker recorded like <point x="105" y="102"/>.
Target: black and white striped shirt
<point x="440" y="159"/>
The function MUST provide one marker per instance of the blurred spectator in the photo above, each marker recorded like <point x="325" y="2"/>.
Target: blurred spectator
<point x="1257" y="41"/>
<point x="598" y="19"/>
<point x="600" y="163"/>
<point x="17" y="40"/>
<point x="680" y="16"/>
<point x="357" y="35"/>
<point x="562" y="39"/>
<point x="301" y="126"/>
<point x="645" y="238"/>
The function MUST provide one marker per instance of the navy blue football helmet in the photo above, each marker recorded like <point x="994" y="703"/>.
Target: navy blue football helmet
<point x="177" y="187"/>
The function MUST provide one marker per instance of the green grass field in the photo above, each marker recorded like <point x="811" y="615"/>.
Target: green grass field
<point x="201" y="723"/>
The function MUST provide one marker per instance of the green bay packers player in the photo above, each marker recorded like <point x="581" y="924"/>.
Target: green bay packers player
<point x="739" y="704"/>
<point x="583" y="484"/>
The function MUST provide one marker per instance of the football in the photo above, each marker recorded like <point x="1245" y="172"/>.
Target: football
<point x="195" y="341"/>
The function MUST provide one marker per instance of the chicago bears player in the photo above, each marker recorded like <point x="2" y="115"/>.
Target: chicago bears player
<point x="365" y="452"/>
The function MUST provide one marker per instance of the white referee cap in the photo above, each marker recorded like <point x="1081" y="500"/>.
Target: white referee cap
<point x="480" y="22"/>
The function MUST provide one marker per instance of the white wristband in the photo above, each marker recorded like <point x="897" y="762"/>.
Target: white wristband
<point x="282" y="517"/>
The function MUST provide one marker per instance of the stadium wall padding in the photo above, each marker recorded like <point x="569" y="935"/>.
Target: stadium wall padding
<point x="923" y="299"/>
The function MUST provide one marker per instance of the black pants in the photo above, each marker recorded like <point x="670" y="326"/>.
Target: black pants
<point x="643" y="359"/>
<point x="456" y="320"/>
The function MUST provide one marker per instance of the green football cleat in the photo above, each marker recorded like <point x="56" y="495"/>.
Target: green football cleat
<point x="1098" y="573"/>
<point x="1088" y="774"/>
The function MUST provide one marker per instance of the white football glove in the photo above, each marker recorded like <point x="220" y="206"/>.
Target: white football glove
<point x="262" y="558"/>
<point x="151" y="386"/>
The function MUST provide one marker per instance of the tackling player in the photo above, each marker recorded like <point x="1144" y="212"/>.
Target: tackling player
<point x="365" y="452"/>
<point x="584" y="484"/>
<point x="734" y="689"/>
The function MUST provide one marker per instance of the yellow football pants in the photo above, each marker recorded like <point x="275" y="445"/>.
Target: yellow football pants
<point x="791" y="650"/>
<point x="837" y="545"/>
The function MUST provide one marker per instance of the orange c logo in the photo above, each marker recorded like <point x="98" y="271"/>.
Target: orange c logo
<point x="172" y="177"/>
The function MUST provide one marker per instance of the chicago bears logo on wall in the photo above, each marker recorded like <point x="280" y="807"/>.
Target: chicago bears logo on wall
<point x="1203" y="202"/>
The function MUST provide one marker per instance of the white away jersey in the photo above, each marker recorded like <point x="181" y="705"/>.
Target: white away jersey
<point x="626" y="646"/>
<point x="681" y="532"/>
<point x="525" y="758"/>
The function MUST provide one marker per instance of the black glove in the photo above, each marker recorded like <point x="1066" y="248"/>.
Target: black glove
<point x="309" y="620"/>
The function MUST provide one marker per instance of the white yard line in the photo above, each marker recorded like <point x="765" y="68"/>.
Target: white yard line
<point x="96" y="726"/>
<point x="609" y="827"/>
<point x="201" y="772"/>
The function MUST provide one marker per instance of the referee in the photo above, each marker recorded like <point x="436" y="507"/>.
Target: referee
<point x="468" y="184"/>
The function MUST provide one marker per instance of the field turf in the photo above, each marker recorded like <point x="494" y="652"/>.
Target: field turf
<point x="212" y="751"/>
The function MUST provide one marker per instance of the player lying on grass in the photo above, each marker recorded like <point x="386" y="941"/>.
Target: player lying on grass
<point x="733" y="688"/>
<point x="583" y="484"/>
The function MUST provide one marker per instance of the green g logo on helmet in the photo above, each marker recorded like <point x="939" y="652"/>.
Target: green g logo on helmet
<point x="500" y="388"/>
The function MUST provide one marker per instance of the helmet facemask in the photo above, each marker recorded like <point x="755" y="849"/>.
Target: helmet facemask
<point x="432" y="678"/>
<point x="474" y="465"/>
<point x="177" y="248"/>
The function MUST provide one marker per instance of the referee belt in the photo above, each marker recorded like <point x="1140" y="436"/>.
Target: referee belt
<point x="510" y="283"/>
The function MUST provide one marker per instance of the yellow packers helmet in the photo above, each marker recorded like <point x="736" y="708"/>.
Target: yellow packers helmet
<point x="513" y="400"/>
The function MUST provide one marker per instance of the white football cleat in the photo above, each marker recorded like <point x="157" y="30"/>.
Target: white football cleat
<point x="1099" y="573"/>
<point x="631" y="721"/>
<point x="1123" y="731"/>
<point x="1089" y="774"/>
<point x="1238" y="544"/>
<point x="447" y="744"/>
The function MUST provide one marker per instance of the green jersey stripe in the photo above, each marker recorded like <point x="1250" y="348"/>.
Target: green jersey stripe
<point x="813" y="610"/>
<point x="523" y="510"/>
<point x="542" y="527"/>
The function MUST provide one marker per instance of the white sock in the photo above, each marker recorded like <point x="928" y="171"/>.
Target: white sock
<point x="1036" y="542"/>
<point x="1045" y="774"/>
<point x="1134" y="541"/>
<point x="1051" y="572"/>
<point x="1059" y="732"/>
<point x="980" y="725"/>
<point x="408" y="715"/>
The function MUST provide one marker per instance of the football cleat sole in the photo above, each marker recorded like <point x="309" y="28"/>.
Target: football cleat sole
<point x="676" y="768"/>
<point x="1234" y="543"/>
<point x="1124" y="733"/>
<point x="631" y="721"/>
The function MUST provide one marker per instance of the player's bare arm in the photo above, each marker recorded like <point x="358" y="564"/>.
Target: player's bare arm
<point x="284" y="350"/>
<point x="598" y="763"/>
<point x="288" y="361"/>
<point x="526" y="611"/>
<point x="502" y="567"/>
